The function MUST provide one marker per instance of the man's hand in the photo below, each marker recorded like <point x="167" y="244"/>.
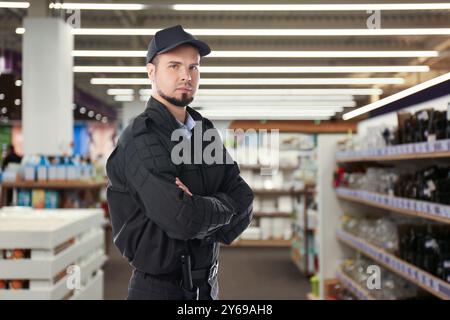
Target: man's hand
<point x="182" y="186"/>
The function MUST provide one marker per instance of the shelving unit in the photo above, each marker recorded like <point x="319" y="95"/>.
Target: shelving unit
<point x="410" y="207"/>
<point x="56" y="239"/>
<point x="337" y="244"/>
<point x="261" y="243"/>
<point x="421" y="278"/>
<point x="85" y="186"/>
<point x="353" y="286"/>
<point x="411" y="151"/>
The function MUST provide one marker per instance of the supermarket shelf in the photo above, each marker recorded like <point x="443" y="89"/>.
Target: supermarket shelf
<point x="261" y="243"/>
<point x="411" y="207"/>
<point x="260" y="166"/>
<point x="410" y="151"/>
<point x="30" y="230"/>
<point x="353" y="286"/>
<point x="274" y="214"/>
<point x="404" y="269"/>
<point x="41" y="268"/>
<point x="54" y="184"/>
<point x="282" y="192"/>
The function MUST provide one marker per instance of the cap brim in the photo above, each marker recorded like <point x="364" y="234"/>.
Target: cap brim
<point x="202" y="47"/>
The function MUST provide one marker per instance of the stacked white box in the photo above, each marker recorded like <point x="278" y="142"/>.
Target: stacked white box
<point x="41" y="231"/>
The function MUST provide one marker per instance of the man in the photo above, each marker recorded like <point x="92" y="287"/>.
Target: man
<point x="168" y="219"/>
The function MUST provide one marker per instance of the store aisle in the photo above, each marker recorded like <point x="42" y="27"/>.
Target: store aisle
<point x="245" y="273"/>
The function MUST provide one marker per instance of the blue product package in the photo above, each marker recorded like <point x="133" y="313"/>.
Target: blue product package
<point x="24" y="198"/>
<point x="51" y="199"/>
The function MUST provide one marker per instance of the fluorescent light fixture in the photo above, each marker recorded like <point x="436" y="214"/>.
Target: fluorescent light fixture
<point x="396" y="96"/>
<point x="272" y="32"/>
<point x="262" y="69"/>
<point x="311" y="7"/>
<point x="263" y="115"/>
<point x="327" y="110"/>
<point x="268" y="54"/>
<point x="281" y="98"/>
<point x="299" y="81"/>
<point x="323" y="92"/>
<point x="14" y="5"/>
<point x="113" y="92"/>
<point x="259" y="81"/>
<point x="265" y="32"/>
<point x="232" y="103"/>
<point x="124" y="98"/>
<point x="120" y="81"/>
<point x="98" y="6"/>
<point x="109" y="53"/>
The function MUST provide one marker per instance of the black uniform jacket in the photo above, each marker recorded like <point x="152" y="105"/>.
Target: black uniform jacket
<point x="153" y="220"/>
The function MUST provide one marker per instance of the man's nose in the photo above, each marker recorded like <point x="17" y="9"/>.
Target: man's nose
<point x="185" y="74"/>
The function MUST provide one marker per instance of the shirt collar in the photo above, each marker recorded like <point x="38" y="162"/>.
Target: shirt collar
<point x="190" y="123"/>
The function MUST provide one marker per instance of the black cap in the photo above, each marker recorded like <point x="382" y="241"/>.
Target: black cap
<point x="169" y="38"/>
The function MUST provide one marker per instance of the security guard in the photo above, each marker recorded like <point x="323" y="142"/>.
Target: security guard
<point x="168" y="218"/>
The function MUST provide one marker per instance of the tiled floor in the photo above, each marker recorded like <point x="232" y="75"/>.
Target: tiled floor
<point x="245" y="273"/>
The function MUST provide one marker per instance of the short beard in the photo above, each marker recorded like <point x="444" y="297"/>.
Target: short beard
<point x="183" y="102"/>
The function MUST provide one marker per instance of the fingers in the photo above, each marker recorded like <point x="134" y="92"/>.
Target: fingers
<point x="182" y="186"/>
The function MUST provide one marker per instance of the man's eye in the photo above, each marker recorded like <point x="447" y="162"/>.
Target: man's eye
<point x="174" y="66"/>
<point x="194" y="68"/>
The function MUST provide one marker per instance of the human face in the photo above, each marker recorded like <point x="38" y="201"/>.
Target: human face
<point x="175" y="75"/>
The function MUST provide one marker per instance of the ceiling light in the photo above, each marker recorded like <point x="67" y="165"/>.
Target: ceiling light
<point x="272" y="32"/>
<point x="113" y="92"/>
<point x="311" y="7"/>
<point x="269" y="54"/>
<point x="258" y="81"/>
<point x="91" y="114"/>
<point x="82" y="110"/>
<point x="263" y="69"/>
<point x="397" y="96"/>
<point x="256" y="98"/>
<point x="14" y="5"/>
<point x="97" y="6"/>
<point x="232" y="103"/>
<point x="320" y="110"/>
<point x="281" y="92"/>
<point x="124" y="98"/>
<point x="18" y="83"/>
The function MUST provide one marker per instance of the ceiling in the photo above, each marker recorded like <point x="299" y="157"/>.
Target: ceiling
<point x="160" y="14"/>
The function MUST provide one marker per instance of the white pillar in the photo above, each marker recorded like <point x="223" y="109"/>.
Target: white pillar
<point x="47" y="91"/>
<point x="130" y="110"/>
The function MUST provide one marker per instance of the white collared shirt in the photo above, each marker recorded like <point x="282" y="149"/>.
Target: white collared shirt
<point x="188" y="126"/>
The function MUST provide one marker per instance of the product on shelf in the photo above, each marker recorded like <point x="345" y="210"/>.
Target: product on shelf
<point x="392" y="287"/>
<point x="426" y="125"/>
<point x="18" y="284"/>
<point x="429" y="184"/>
<point x="38" y="198"/>
<point x="24" y="198"/>
<point x="380" y="232"/>
<point x="426" y="246"/>
<point x="3" y="284"/>
<point x="17" y="254"/>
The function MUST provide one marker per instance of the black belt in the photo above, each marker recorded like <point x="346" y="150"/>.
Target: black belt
<point x="198" y="275"/>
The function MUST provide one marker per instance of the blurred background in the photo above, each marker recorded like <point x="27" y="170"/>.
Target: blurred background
<point x="352" y="203"/>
